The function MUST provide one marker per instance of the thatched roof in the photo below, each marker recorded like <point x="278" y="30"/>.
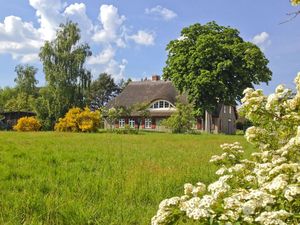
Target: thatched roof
<point x="146" y="92"/>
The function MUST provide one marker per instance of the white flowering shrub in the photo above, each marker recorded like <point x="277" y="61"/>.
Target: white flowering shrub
<point x="261" y="190"/>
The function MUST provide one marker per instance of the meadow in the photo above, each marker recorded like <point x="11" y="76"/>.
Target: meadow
<point x="109" y="179"/>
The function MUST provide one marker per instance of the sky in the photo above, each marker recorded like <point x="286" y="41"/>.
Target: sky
<point x="128" y="38"/>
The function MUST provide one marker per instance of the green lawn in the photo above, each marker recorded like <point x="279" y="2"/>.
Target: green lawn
<point x="65" y="178"/>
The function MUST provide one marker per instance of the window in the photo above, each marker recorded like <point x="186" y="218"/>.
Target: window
<point x="229" y="109"/>
<point x="121" y="123"/>
<point x="131" y="123"/>
<point x="148" y="123"/>
<point x="161" y="104"/>
<point x="224" y="108"/>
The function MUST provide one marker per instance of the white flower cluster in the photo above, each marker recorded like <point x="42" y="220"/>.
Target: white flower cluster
<point x="264" y="189"/>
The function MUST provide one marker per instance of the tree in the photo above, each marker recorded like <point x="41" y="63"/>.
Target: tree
<point x="123" y="84"/>
<point x="102" y="90"/>
<point x="21" y="102"/>
<point x="213" y="65"/>
<point x="182" y="120"/>
<point x="6" y="94"/>
<point x="63" y="63"/>
<point x="26" y="81"/>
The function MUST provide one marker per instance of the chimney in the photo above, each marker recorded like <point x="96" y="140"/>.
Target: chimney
<point x="155" y="78"/>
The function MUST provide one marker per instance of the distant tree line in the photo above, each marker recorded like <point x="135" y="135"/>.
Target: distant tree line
<point x="68" y="83"/>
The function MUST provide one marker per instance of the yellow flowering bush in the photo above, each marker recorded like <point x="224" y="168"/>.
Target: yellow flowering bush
<point x="88" y="121"/>
<point x="69" y="122"/>
<point x="27" y="124"/>
<point x="77" y="120"/>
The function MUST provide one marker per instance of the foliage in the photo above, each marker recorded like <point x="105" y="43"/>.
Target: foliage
<point x="213" y="64"/>
<point x="28" y="124"/>
<point x="88" y="121"/>
<point x="123" y="84"/>
<point x="77" y="120"/>
<point x="22" y="102"/>
<point x="63" y="63"/>
<point x="182" y="120"/>
<point x="26" y="81"/>
<point x="264" y="189"/>
<point x="113" y="114"/>
<point x="142" y="111"/>
<point x="102" y="90"/>
<point x="22" y="96"/>
<point x="98" y="178"/>
<point x="6" y="94"/>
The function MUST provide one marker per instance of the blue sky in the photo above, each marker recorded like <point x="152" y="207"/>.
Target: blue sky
<point x="128" y="38"/>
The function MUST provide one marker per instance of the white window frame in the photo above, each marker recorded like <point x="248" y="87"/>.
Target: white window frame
<point x="131" y="123"/>
<point x="161" y="104"/>
<point x="224" y="109"/>
<point x="121" y="123"/>
<point x="229" y="109"/>
<point x="148" y="123"/>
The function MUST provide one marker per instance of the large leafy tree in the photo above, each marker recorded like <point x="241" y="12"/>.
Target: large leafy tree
<point x="213" y="64"/>
<point x="63" y="62"/>
<point x="26" y="81"/>
<point x="102" y="90"/>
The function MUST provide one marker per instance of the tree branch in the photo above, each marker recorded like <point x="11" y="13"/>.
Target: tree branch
<point x="292" y="15"/>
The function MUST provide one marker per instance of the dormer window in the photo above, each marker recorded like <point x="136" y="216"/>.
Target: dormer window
<point x="162" y="104"/>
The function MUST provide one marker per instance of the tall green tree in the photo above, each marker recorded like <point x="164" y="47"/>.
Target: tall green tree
<point x="26" y="81"/>
<point x="102" y="90"/>
<point x="66" y="77"/>
<point x="213" y="64"/>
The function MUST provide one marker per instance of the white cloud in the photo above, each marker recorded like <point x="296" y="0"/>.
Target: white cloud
<point x="262" y="40"/>
<point x="20" y="39"/>
<point x="77" y="12"/>
<point x="23" y="41"/>
<point x="103" y="57"/>
<point x="143" y="38"/>
<point x="161" y="12"/>
<point x="111" y="26"/>
<point x="49" y="16"/>
<point x="105" y="62"/>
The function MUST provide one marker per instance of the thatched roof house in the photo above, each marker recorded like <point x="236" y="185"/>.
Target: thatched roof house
<point x="161" y="97"/>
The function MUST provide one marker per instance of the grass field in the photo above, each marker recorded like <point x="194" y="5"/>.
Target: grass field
<point x="65" y="178"/>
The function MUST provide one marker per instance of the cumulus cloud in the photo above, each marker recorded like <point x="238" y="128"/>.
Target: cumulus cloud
<point x="49" y="16"/>
<point x="262" y="40"/>
<point x="20" y="39"/>
<point x="108" y="34"/>
<point x="143" y="38"/>
<point x="111" y="26"/>
<point x="161" y="12"/>
<point x="77" y="12"/>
